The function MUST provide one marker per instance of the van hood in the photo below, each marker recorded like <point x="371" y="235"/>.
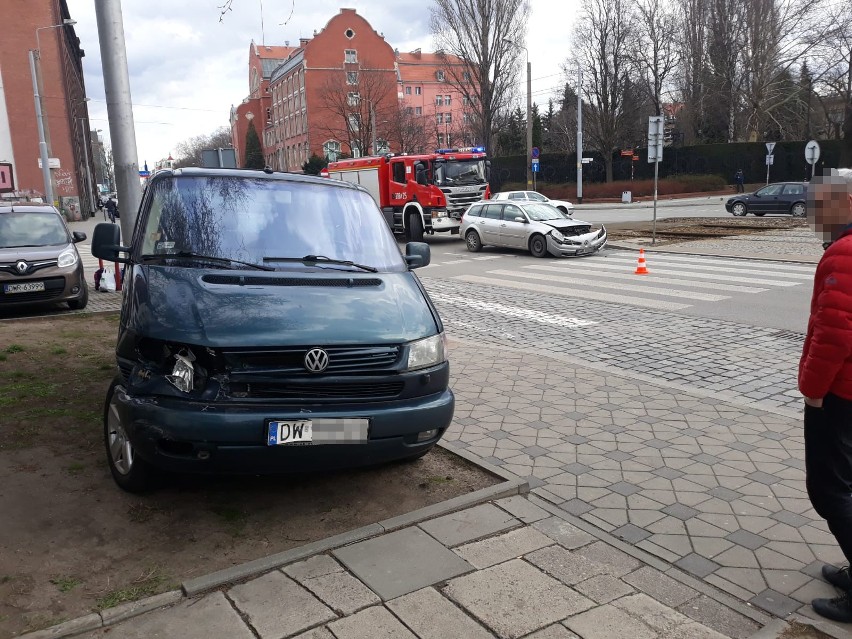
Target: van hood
<point x="32" y="253"/>
<point x="224" y="308"/>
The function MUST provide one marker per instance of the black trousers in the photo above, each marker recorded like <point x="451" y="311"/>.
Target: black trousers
<point x="828" y="466"/>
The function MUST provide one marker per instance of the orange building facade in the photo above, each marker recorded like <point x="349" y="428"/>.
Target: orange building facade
<point x="344" y="92"/>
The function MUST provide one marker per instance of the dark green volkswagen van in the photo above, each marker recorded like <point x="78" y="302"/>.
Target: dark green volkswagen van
<point x="269" y="324"/>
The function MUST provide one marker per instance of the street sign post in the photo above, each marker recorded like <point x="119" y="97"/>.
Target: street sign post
<point x="770" y="147"/>
<point x="812" y="153"/>
<point x="656" y="134"/>
<point x="535" y="168"/>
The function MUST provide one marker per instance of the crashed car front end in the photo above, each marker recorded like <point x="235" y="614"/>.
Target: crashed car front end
<point x="575" y="240"/>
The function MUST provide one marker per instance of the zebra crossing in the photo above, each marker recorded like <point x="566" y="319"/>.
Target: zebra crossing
<point x="675" y="281"/>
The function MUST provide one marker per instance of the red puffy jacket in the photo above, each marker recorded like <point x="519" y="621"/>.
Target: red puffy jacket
<point x="826" y="364"/>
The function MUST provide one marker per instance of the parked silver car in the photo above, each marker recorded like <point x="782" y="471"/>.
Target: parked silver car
<point x="38" y="260"/>
<point x="534" y="196"/>
<point x="535" y="226"/>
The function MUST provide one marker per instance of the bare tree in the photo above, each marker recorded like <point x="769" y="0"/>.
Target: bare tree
<point x="480" y="33"/>
<point x="353" y="107"/>
<point x="833" y="77"/>
<point x="407" y="131"/>
<point x="693" y="68"/>
<point x="603" y="39"/>
<point x="189" y="151"/>
<point x="655" y="52"/>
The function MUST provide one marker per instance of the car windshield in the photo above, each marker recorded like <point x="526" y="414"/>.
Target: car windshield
<point x="536" y="197"/>
<point x="32" y="228"/>
<point x="543" y="212"/>
<point x="249" y="219"/>
<point x="450" y="172"/>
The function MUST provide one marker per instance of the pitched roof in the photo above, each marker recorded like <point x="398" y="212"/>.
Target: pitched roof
<point x="274" y="52"/>
<point x="421" y="67"/>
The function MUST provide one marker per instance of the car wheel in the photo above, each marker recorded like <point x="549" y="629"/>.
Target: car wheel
<point x="739" y="209"/>
<point x="130" y="472"/>
<point x="474" y="244"/>
<point x="415" y="228"/>
<point x="80" y="302"/>
<point x="798" y="209"/>
<point x="538" y="245"/>
<point x="760" y="214"/>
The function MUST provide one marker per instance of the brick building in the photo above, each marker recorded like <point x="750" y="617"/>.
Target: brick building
<point x="66" y="120"/>
<point x="347" y="91"/>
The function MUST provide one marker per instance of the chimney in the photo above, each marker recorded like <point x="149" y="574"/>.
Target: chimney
<point x="286" y="43"/>
<point x="303" y="41"/>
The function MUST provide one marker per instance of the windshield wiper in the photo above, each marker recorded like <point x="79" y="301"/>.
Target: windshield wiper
<point x="183" y="255"/>
<point x="321" y="259"/>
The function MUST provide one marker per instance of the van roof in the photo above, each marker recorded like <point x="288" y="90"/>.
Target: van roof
<point x="256" y="174"/>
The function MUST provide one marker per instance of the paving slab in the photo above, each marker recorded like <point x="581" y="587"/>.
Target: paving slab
<point x="401" y="562"/>
<point x="432" y="616"/>
<point x="660" y="586"/>
<point x="335" y="587"/>
<point x="514" y="598"/>
<point x="607" y="622"/>
<point x="276" y="606"/>
<point x="564" y="533"/>
<point x="522" y="508"/>
<point x="556" y="631"/>
<point x="569" y="567"/>
<point x="500" y="548"/>
<point x="470" y="524"/>
<point x="372" y="623"/>
<point x="210" y="616"/>
<point x="714" y="615"/>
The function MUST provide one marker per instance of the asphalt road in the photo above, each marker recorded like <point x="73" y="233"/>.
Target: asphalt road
<point x="644" y="211"/>
<point x="729" y="290"/>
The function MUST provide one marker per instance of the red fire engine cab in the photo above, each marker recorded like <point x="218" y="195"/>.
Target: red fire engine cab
<point x="424" y="193"/>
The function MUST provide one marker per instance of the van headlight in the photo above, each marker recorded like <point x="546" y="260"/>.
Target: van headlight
<point x="68" y="257"/>
<point x="183" y="373"/>
<point x="427" y="352"/>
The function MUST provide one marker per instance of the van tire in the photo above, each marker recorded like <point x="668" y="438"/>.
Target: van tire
<point x="136" y="477"/>
<point x="415" y="227"/>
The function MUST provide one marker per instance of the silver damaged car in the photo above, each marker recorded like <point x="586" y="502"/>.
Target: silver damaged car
<point x="534" y="226"/>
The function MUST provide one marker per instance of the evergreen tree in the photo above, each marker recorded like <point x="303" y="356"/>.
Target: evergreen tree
<point x="314" y="165"/>
<point x="536" y="127"/>
<point x="254" y="153"/>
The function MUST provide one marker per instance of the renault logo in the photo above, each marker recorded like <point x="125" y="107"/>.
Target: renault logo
<point x="22" y="266"/>
<point x="316" y="360"/>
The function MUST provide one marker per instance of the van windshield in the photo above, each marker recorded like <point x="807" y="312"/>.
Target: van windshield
<point x="32" y="228"/>
<point x="249" y="219"/>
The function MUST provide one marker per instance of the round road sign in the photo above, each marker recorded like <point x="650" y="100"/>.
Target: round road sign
<point x="812" y="152"/>
<point x="535" y="152"/>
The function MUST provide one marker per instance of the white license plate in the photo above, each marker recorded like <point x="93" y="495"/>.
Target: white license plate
<point x="293" y="432"/>
<point x="25" y="287"/>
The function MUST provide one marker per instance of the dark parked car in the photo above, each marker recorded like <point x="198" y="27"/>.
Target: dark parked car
<point x="39" y="263"/>
<point x="780" y="197"/>
<point x="270" y="323"/>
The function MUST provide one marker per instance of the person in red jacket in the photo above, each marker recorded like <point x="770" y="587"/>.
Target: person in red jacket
<point x="825" y="379"/>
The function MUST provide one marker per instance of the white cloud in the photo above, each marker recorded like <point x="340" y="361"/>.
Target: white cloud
<point x="187" y="67"/>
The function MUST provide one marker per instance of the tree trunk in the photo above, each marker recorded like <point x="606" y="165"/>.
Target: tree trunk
<point x="608" y="164"/>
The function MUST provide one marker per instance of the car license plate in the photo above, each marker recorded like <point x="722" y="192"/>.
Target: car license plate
<point x="25" y="287"/>
<point x="297" y="432"/>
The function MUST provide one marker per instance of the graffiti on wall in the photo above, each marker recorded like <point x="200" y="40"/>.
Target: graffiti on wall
<point x="64" y="180"/>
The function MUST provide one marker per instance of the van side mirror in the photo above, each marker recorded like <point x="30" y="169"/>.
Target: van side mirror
<point x="106" y="243"/>
<point x="78" y="236"/>
<point x="417" y="254"/>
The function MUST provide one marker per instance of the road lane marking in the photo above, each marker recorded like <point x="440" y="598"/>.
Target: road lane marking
<point x="666" y="263"/>
<point x="758" y="265"/>
<point x="514" y="311"/>
<point x="650" y="290"/>
<point x="562" y="291"/>
<point x="733" y="288"/>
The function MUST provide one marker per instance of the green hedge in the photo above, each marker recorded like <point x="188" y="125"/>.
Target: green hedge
<point x="721" y="160"/>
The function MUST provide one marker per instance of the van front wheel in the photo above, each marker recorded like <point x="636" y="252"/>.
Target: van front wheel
<point x="130" y="472"/>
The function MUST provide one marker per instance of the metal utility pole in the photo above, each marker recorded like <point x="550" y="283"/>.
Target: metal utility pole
<point x="656" y="134"/>
<point x="579" y="134"/>
<point x="42" y="144"/>
<point x="120" y="110"/>
<point x="373" y="125"/>
<point x="529" y="110"/>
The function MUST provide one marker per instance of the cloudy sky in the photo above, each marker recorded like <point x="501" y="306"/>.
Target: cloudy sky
<point x="187" y="67"/>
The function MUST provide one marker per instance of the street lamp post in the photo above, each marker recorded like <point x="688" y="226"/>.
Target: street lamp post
<point x="42" y="142"/>
<point x="579" y="134"/>
<point x="529" y="110"/>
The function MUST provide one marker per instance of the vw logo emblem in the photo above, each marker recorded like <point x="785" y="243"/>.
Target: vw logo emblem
<point x="22" y="266"/>
<point x="316" y="360"/>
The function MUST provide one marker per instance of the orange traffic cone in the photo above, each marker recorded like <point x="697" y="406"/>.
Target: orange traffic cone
<point x="641" y="268"/>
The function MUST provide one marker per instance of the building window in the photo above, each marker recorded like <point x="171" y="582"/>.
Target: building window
<point x="407" y="90"/>
<point x="466" y="101"/>
<point x="439" y="75"/>
<point x="447" y="100"/>
<point x="382" y="146"/>
<point x="409" y="111"/>
<point x="356" y="150"/>
<point x="350" y="56"/>
<point x="417" y="91"/>
<point x="331" y="149"/>
<point x="351" y="77"/>
<point x="418" y="110"/>
<point x="441" y="139"/>
<point x="440" y="118"/>
<point x="349" y="33"/>
<point x="439" y="100"/>
<point x="269" y="116"/>
<point x="353" y="98"/>
<point x="466" y="118"/>
<point x="449" y="118"/>
<point x="354" y="121"/>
